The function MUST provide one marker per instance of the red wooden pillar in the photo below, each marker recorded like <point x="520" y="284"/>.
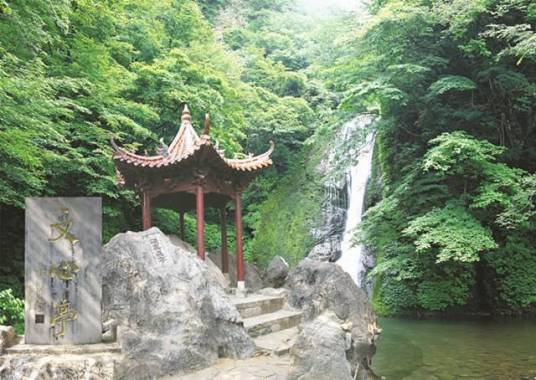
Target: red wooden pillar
<point x="146" y="211"/>
<point x="240" y="274"/>
<point x="224" y="251"/>
<point x="200" y="215"/>
<point x="181" y="225"/>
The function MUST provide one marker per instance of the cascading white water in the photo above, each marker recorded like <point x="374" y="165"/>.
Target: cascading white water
<point x="353" y="258"/>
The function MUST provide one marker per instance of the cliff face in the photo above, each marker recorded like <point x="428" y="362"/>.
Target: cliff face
<point x="306" y="213"/>
<point x="345" y="169"/>
<point x="329" y="229"/>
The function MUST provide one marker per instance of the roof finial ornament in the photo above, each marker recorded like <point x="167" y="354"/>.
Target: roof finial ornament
<point x="163" y="150"/>
<point x="186" y="117"/>
<point x="206" y="130"/>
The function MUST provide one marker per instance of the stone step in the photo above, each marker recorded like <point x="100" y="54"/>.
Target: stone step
<point x="272" y="322"/>
<point x="257" y="304"/>
<point x="278" y="343"/>
<point x="60" y="349"/>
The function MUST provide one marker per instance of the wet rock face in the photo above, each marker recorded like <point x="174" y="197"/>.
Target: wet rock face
<point x="276" y="273"/>
<point x="328" y="251"/>
<point x="320" y="351"/>
<point x="318" y="287"/>
<point x="173" y="315"/>
<point x="328" y="234"/>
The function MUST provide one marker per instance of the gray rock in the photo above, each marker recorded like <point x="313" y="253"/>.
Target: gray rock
<point x="52" y="367"/>
<point x="276" y="273"/>
<point x="272" y="292"/>
<point x="253" y="275"/>
<point x="8" y="337"/>
<point x="329" y="230"/>
<point x="215" y="271"/>
<point x="315" y="287"/>
<point x="320" y="351"/>
<point x="173" y="315"/>
<point x="329" y="250"/>
<point x="181" y="243"/>
<point x="333" y="216"/>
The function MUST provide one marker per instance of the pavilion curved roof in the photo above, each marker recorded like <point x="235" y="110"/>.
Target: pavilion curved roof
<point x="187" y="144"/>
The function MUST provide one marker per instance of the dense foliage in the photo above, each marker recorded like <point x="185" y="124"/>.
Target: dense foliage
<point x="452" y="214"/>
<point x="11" y="310"/>
<point x="455" y="86"/>
<point x="73" y="74"/>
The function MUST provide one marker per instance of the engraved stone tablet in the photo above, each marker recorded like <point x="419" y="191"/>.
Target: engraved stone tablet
<point x="62" y="268"/>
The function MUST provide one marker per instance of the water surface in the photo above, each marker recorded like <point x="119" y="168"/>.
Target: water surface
<point x="445" y="349"/>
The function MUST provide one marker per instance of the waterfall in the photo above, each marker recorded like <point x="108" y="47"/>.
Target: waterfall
<point x="354" y="258"/>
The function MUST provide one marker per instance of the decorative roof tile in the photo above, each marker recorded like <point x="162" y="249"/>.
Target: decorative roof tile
<point x="185" y="144"/>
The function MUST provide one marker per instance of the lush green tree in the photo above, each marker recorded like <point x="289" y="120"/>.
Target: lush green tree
<point x="453" y="84"/>
<point x="73" y="74"/>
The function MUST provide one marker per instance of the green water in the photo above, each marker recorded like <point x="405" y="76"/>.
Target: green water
<point x="439" y="349"/>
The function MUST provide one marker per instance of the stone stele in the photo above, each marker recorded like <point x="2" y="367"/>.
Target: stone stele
<point x="62" y="268"/>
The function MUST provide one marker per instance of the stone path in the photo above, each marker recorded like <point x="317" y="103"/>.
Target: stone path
<point x="273" y="327"/>
<point x="269" y="321"/>
<point x="279" y="343"/>
<point x="256" y="368"/>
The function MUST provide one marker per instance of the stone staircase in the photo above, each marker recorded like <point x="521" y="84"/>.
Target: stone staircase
<point x="272" y="326"/>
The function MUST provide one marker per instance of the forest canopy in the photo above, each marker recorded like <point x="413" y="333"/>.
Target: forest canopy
<point x="75" y="73"/>
<point x="451" y="85"/>
<point x="454" y="85"/>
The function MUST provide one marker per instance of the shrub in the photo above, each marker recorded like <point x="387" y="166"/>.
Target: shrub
<point x="11" y="310"/>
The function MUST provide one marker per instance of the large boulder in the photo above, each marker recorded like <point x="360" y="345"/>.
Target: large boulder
<point x="253" y="276"/>
<point x="316" y="287"/>
<point x="276" y="273"/>
<point x="320" y="351"/>
<point x="173" y="315"/>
